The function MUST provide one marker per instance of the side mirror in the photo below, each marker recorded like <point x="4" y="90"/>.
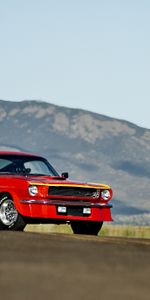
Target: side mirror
<point x="65" y="175"/>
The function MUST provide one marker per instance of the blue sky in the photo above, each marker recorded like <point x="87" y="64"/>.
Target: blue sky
<point x="90" y="54"/>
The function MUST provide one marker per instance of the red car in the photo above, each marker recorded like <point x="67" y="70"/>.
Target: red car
<point x="32" y="192"/>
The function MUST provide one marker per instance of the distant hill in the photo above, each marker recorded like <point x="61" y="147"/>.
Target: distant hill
<point x="92" y="147"/>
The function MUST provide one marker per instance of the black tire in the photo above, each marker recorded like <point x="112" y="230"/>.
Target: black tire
<point x="10" y="219"/>
<point x="86" y="227"/>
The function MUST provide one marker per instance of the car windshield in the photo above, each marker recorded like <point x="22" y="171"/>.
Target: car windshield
<point x="27" y="165"/>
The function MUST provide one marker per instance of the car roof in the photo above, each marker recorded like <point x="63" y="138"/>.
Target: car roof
<point x="18" y="153"/>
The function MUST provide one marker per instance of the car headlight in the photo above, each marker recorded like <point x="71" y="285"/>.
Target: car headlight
<point x="33" y="190"/>
<point x="105" y="194"/>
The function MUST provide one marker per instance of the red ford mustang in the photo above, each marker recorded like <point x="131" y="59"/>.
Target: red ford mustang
<point x="32" y="192"/>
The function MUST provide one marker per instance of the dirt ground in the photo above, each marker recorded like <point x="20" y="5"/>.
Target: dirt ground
<point x="67" y="267"/>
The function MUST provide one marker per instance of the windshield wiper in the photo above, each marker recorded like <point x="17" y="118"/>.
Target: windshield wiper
<point x="7" y="173"/>
<point x="38" y="174"/>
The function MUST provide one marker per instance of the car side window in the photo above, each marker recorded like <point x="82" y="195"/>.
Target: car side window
<point x="5" y="165"/>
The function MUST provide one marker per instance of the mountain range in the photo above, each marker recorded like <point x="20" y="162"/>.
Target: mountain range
<point x="91" y="147"/>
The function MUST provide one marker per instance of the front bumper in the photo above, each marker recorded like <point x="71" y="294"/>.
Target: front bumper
<point x="47" y="208"/>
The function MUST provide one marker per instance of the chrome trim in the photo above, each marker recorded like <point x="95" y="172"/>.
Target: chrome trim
<point x="66" y="203"/>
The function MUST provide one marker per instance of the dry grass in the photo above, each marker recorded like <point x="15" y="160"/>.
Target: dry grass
<point x="126" y="231"/>
<point x="107" y="230"/>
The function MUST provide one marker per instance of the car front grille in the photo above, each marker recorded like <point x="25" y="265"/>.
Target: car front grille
<point x="73" y="192"/>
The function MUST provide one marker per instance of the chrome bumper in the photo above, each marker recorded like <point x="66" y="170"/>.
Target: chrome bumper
<point x="66" y="203"/>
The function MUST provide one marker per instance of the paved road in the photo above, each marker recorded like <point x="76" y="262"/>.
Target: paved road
<point x="69" y="267"/>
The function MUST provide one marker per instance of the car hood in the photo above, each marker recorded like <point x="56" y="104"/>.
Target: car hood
<point x="55" y="181"/>
<point x="51" y="181"/>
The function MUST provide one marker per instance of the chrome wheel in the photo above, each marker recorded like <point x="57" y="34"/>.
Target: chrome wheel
<point x="8" y="213"/>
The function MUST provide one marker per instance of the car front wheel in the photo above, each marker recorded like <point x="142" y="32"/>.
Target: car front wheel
<point x="86" y="227"/>
<point x="10" y="219"/>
